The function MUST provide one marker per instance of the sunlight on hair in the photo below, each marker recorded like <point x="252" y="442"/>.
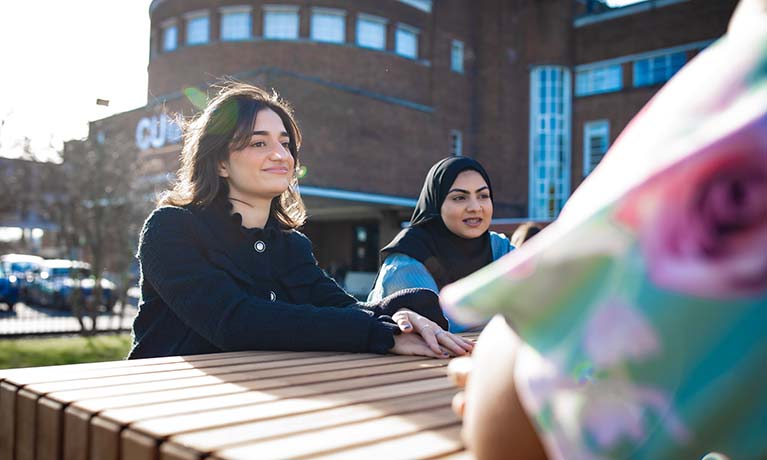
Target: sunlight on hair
<point x="196" y="97"/>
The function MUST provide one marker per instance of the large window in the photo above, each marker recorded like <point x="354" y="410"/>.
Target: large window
<point x="549" y="140"/>
<point x="456" y="143"/>
<point x="406" y="41"/>
<point x="596" y="140"/>
<point x="328" y="25"/>
<point x="280" y="22"/>
<point x="197" y="28"/>
<point x="169" y="36"/>
<point x="598" y="80"/>
<point x="371" y="32"/>
<point x="235" y="23"/>
<point x="658" y="69"/>
<point x="456" y="56"/>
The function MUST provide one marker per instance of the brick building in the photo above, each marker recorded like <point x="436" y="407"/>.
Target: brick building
<point x="536" y="90"/>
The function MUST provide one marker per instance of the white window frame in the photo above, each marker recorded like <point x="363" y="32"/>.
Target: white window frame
<point x="650" y="78"/>
<point x="594" y="129"/>
<point x="228" y="11"/>
<point x="189" y="19"/>
<point x="423" y="5"/>
<point x="280" y="34"/>
<point x="550" y="133"/>
<point x="456" y="143"/>
<point x="598" y="80"/>
<point x="165" y="28"/>
<point x="317" y="28"/>
<point x="373" y="21"/>
<point x="402" y="31"/>
<point x="457" y="56"/>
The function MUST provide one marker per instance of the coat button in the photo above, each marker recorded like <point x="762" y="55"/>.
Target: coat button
<point x="272" y="296"/>
<point x="259" y="246"/>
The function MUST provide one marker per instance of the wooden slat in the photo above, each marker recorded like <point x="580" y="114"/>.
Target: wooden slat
<point x="48" y="439"/>
<point x="195" y="444"/>
<point x="347" y="436"/>
<point x="138" y="445"/>
<point x="25" y="425"/>
<point x="462" y="455"/>
<point x="104" y="442"/>
<point x="367" y="390"/>
<point x="8" y="419"/>
<point x="428" y="444"/>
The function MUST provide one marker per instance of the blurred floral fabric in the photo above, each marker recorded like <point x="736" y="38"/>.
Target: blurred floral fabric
<point x="643" y="308"/>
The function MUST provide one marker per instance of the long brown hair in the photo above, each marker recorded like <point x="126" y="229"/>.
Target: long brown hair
<point x="226" y="125"/>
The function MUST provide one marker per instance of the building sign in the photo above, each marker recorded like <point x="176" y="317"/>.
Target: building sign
<point x="157" y="131"/>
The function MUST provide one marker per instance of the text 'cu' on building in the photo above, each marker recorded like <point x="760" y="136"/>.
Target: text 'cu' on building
<point x="535" y="90"/>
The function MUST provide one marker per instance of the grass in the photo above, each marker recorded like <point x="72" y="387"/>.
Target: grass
<point x="62" y="350"/>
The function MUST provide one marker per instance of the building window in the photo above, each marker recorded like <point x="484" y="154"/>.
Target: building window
<point x="658" y="69"/>
<point x="406" y="41"/>
<point x="371" y="32"/>
<point x="169" y="36"/>
<point x="549" y="140"/>
<point x="596" y="140"/>
<point x="280" y="22"/>
<point x="456" y="56"/>
<point x="423" y="5"/>
<point x="456" y="143"/>
<point x="197" y="28"/>
<point x="599" y="80"/>
<point x="235" y="23"/>
<point x="328" y="25"/>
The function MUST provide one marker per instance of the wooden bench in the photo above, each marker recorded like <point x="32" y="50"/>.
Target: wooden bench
<point x="241" y="405"/>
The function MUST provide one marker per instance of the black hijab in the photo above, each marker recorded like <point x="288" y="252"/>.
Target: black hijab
<point x="447" y="256"/>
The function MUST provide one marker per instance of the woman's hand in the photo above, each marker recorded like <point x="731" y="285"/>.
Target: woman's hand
<point x="414" y="344"/>
<point x="458" y="370"/>
<point x="441" y="342"/>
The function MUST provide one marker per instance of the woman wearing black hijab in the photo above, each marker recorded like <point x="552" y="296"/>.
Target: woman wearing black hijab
<point x="448" y="237"/>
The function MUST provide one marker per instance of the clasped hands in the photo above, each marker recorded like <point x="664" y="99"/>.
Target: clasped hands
<point x="422" y="336"/>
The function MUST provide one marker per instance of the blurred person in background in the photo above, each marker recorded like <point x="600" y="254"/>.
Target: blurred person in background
<point x="523" y="233"/>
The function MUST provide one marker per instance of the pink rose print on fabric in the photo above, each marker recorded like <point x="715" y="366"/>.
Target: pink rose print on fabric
<point x="617" y="333"/>
<point x="703" y="223"/>
<point x="610" y="411"/>
<point x="619" y="412"/>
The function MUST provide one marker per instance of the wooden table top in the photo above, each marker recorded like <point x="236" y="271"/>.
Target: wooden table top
<point x="240" y="405"/>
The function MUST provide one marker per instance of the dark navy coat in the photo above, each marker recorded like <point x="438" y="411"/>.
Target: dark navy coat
<point x="209" y="285"/>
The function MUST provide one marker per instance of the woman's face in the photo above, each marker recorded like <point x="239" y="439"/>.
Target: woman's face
<point x="467" y="209"/>
<point x="264" y="168"/>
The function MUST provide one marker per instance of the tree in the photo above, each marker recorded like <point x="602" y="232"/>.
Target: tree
<point x="99" y="213"/>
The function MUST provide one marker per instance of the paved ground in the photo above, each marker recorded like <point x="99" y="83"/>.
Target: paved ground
<point x="37" y="320"/>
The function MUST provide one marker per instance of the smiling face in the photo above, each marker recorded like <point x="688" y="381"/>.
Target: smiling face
<point x="264" y="168"/>
<point x="467" y="209"/>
